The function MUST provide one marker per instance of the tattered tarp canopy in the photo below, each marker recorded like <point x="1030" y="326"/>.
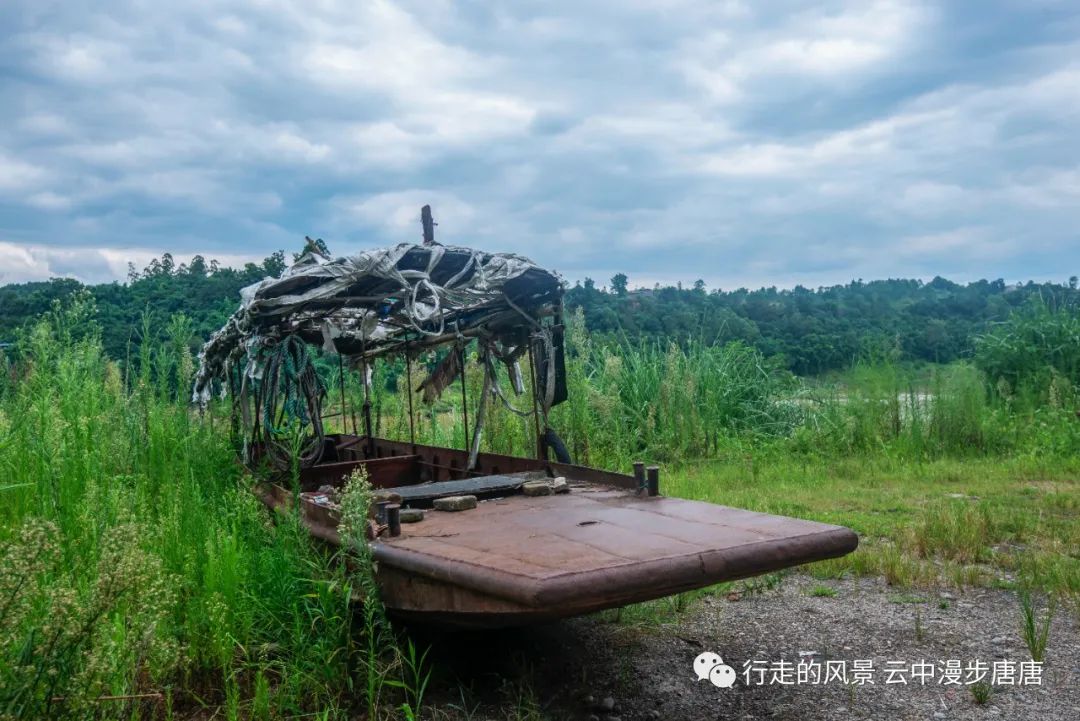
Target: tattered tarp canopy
<point x="375" y="302"/>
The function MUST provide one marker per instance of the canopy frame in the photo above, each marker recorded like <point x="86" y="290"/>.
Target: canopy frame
<point x="398" y="301"/>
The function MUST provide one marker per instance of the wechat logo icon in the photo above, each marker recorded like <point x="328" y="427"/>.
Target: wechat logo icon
<point x="710" y="666"/>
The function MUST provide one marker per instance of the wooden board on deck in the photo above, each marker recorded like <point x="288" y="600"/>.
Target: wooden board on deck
<point x="483" y="486"/>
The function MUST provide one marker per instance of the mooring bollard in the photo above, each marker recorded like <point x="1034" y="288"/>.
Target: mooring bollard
<point x="380" y="512"/>
<point x="639" y="475"/>
<point x="653" y="480"/>
<point x="393" y="518"/>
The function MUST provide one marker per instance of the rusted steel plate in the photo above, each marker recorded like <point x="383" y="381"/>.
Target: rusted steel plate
<point x="602" y="547"/>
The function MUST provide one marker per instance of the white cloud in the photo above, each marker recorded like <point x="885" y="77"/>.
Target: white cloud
<point x="17" y="175"/>
<point x="399" y="212"/>
<point x="292" y="145"/>
<point x="44" y="124"/>
<point x="787" y="140"/>
<point x="857" y="146"/>
<point x="49" y="200"/>
<point x="825" y="45"/>
<point x="950" y="242"/>
<point x="439" y="91"/>
<point x="1045" y="188"/>
<point x="81" y="59"/>
<point x="22" y="262"/>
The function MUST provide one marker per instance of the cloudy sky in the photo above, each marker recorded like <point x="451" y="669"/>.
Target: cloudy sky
<point x="744" y="143"/>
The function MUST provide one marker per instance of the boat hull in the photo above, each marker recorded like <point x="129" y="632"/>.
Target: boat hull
<point x="519" y="559"/>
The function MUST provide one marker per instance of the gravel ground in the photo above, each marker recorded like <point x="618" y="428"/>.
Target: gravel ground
<point x="577" y="669"/>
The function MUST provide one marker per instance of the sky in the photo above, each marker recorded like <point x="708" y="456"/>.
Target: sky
<point x="747" y="144"/>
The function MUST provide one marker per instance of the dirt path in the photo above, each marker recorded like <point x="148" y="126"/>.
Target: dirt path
<point x="568" y="670"/>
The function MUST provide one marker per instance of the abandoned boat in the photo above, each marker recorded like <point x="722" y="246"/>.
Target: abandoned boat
<point x="539" y="538"/>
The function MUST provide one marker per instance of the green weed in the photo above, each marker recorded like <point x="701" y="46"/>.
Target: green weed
<point x="415" y="676"/>
<point x="981" y="692"/>
<point x="127" y="525"/>
<point x="1035" y="630"/>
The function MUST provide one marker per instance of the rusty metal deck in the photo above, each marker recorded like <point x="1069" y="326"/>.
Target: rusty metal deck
<point x="522" y="558"/>
<point x="519" y="559"/>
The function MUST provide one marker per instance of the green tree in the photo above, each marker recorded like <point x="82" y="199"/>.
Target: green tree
<point x="618" y="284"/>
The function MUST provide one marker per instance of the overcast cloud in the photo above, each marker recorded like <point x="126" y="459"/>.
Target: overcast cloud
<point x="744" y="143"/>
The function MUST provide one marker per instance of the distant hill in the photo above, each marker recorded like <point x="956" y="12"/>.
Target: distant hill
<point x="810" y="331"/>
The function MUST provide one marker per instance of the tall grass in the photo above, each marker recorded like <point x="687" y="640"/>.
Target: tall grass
<point x="1033" y="357"/>
<point x="679" y="403"/>
<point x="665" y="402"/>
<point x="136" y="571"/>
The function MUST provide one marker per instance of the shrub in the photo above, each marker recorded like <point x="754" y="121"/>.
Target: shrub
<point x="1033" y="357"/>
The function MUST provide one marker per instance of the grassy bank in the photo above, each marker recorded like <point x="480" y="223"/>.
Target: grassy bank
<point x="976" y="521"/>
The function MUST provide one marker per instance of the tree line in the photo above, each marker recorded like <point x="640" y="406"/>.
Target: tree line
<point x="813" y="331"/>
<point x="806" y="330"/>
